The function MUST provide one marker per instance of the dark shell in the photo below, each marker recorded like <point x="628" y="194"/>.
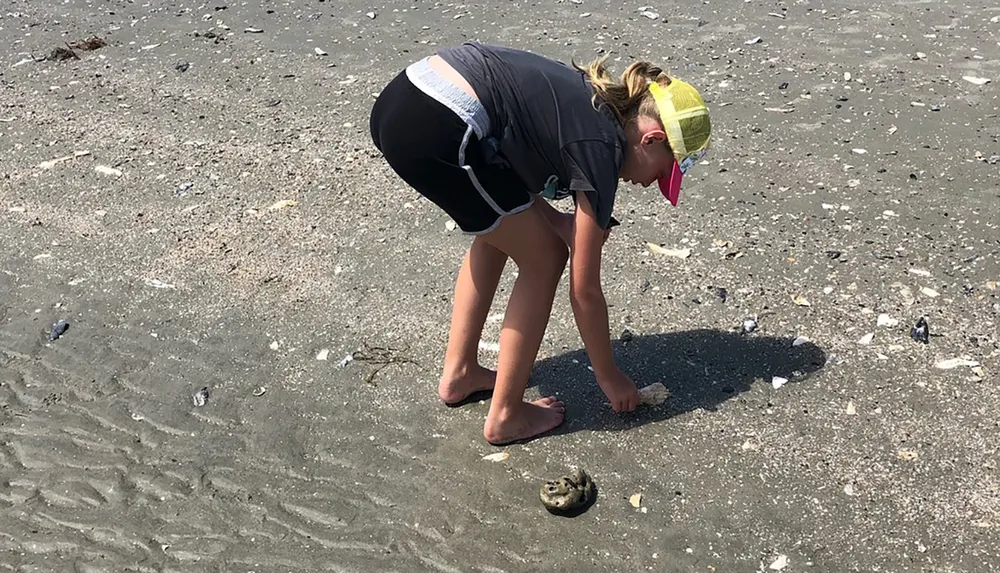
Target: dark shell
<point x="58" y="329"/>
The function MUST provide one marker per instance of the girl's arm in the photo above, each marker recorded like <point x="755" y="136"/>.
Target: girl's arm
<point x="586" y="296"/>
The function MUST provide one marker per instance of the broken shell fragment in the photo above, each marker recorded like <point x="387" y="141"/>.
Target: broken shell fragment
<point x="867" y="339"/>
<point x="886" y="320"/>
<point x="105" y="170"/>
<point x="497" y="457"/>
<point x="749" y="325"/>
<point x="921" y="331"/>
<point x="654" y="394"/>
<point x="927" y="291"/>
<point x="200" y="398"/>
<point x="976" y="80"/>
<point x="679" y="253"/>
<point x="721" y="293"/>
<point x="954" y="363"/>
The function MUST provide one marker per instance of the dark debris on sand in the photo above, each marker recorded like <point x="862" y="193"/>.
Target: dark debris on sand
<point x="89" y="44"/>
<point x="61" y="54"/>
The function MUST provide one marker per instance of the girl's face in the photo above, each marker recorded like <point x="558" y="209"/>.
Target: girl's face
<point x="648" y="157"/>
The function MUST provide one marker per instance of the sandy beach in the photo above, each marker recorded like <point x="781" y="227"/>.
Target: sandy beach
<point x="200" y="201"/>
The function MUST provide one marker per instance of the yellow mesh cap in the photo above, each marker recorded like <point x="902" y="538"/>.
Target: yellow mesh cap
<point x="684" y="116"/>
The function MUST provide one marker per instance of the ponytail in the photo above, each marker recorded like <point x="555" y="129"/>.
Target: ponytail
<point x="628" y="96"/>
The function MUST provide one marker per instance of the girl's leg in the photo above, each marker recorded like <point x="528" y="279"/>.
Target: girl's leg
<point x="474" y="291"/>
<point x="541" y="258"/>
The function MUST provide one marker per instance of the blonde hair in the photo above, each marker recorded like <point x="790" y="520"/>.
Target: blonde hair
<point x="628" y="96"/>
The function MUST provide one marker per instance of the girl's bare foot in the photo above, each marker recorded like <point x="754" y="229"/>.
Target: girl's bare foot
<point x="523" y="421"/>
<point x="454" y="389"/>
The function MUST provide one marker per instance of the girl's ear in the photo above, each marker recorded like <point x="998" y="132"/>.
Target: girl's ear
<point x="654" y="136"/>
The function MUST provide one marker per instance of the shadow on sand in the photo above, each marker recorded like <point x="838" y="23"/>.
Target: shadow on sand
<point x="701" y="368"/>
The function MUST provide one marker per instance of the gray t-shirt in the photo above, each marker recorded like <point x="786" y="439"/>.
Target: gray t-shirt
<point x="543" y="123"/>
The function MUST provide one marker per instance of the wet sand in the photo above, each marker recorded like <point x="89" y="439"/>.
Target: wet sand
<point x="861" y="196"/>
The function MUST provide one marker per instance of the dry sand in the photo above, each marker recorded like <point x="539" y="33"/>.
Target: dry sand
<point x="868" y="459"/>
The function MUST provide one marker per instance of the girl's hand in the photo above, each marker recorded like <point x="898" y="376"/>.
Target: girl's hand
<point x="620" y="390"/>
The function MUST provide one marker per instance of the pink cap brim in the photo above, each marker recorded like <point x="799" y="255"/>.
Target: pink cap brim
<point x="670" y="186"/>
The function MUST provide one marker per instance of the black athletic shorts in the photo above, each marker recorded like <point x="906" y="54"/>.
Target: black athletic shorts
<point x="438" y="154"/>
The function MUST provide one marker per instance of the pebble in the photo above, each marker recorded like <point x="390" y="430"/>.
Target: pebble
<point x="58" y="329"/>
